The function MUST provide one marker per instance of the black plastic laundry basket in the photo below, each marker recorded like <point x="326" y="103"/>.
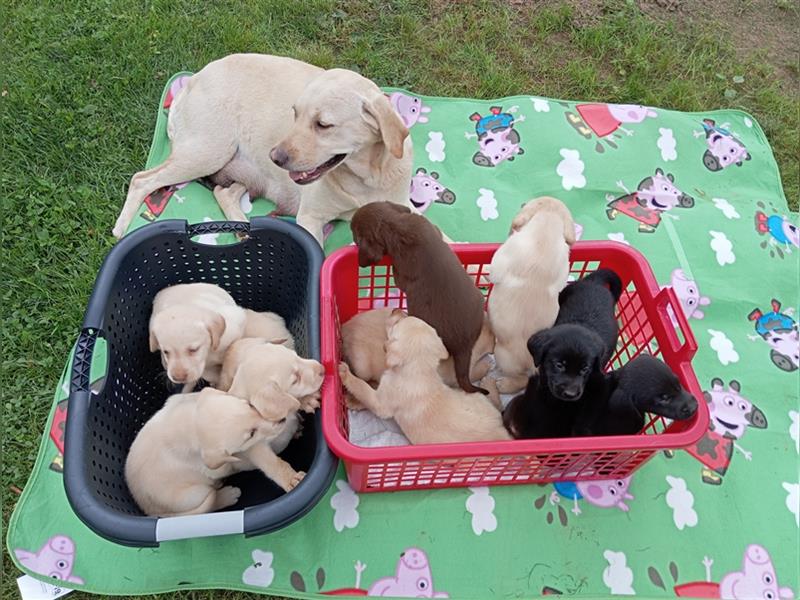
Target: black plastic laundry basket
<point x="275" y="268"/>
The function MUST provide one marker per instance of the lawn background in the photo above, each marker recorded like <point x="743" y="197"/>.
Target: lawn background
<point x="81" y="81"/>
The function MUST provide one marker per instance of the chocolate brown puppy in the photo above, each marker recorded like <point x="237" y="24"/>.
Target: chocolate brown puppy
<point x="437" y="287"/>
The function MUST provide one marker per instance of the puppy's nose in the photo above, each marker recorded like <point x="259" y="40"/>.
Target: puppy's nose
<point x="179" y="376"/>
<point x="687" y="410"/>
<point x="279" y="156"/>
<point x="570" y="393"/>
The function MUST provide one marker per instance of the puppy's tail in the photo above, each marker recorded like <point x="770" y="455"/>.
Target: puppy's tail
<point x="461" y="364"/>
<point x="609" y="279"/>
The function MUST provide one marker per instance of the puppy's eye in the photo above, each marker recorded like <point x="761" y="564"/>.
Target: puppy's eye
<point x="252" y="433"/>
<point x="166" y="352"/>
<point x="559" y="365"/>
<point x="193" y="350"/>
<point x="296" y="377"/>
<point x="585" y="370"/>
<point x="322" y="125"/>
<point x="282" y="421"/>
<point x="665" y="397"/>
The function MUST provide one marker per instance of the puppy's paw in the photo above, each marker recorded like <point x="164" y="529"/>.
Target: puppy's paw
<point x="309" y="403"/>
<point x="228" y="496"/>
<point x="344" y="371"/>
<point x="295" y="480"/>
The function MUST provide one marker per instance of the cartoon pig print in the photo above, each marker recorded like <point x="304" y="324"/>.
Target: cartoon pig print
<point x="689" y="295"/>
<point x="411" y="580"/>
<point x="756" y="581"/>
<point x="724" y="149"/>
<point x="604" y="120"/>
<point x="731" y="414"/>
<point x="655" y="195"/>
<point x="780" y="331"/>
<point x="426" y="189"/>
<point x="410" y="108"/>
<point x="497" y="138"/>
<point x="781" y="229"/>
<point x="757" y="578"/>
<point x="54" y="559"/>
<point x="606" y="493"/>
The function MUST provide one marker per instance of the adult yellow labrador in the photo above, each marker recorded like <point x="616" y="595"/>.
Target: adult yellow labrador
<point x="320" y="143"/>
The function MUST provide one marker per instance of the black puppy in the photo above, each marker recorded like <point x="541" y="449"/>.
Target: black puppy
<point x="644" y="385"/>
<point x="570" y="357"/>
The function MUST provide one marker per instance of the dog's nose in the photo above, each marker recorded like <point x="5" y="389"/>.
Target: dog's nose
<point x="570" y="393"/>
<point x="279" y="156"/>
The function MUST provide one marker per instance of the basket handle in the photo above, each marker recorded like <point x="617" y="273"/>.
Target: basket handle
<point x="667" y="298"/>
<point x="241" y="229"/>
<point x="79" y="379"/>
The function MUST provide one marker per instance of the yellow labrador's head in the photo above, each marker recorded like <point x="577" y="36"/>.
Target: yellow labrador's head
<point x="546" y="204"/>
<point x="227" y="425"/>
<point x="338" y="114"/>
<point x="185" y="334"/>
<point x="274" y="363"/>
<point x="412" y="340"/>
<point x="292" y="374"/>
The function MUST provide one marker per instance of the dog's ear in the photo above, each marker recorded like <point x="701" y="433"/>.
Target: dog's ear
<point x="520" y="221"/>
<point x="216" y="327"/>
<point x="217" y="457"/>
<point x="569" y="228"/>
<point x="153" y="341"/>
<point x="537" y="345"/>
<point x="272" y="403"/>
<point x="380" y="114"/>
<point x="370" y="251"/>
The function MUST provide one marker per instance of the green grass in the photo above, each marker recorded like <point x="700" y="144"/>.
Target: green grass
<point x="81" y="84"/>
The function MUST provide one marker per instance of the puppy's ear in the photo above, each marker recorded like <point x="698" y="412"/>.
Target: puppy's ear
<point x="217" y="457"/>
<point x="272" y="403"/>
<point x="370" y="249"/>
<point x="569" y="229"/>
<point x="378" y="112"/>
<point x="537" y="345"/>
<point x="393" y="359"/>
<point x="519" y="221"/>
<point x="153" y="342"/>
<point x="216" y="327"/>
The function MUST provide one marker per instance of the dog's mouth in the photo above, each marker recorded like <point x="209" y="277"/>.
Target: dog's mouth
<point x="304" y="177"/>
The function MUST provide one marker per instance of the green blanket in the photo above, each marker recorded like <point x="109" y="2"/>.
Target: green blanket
<point x="700" y="195"/>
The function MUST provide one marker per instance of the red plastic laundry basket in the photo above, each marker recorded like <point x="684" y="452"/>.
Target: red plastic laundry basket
<point x="645" y="326"/>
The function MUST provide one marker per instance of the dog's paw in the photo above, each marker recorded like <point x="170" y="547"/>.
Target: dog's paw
<point x="228" y="496"/>
<point x="345" y="374"/>
<point x="118" y="231"/>
<point x="309" y="403"/>
<point x="295" y="480"/>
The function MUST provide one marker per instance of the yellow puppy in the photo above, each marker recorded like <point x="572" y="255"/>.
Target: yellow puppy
<point x="528" y="271"/>
<point x="176" y="464"/>
<point x="412" y="392"/>
<point x="364" y="338"/>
